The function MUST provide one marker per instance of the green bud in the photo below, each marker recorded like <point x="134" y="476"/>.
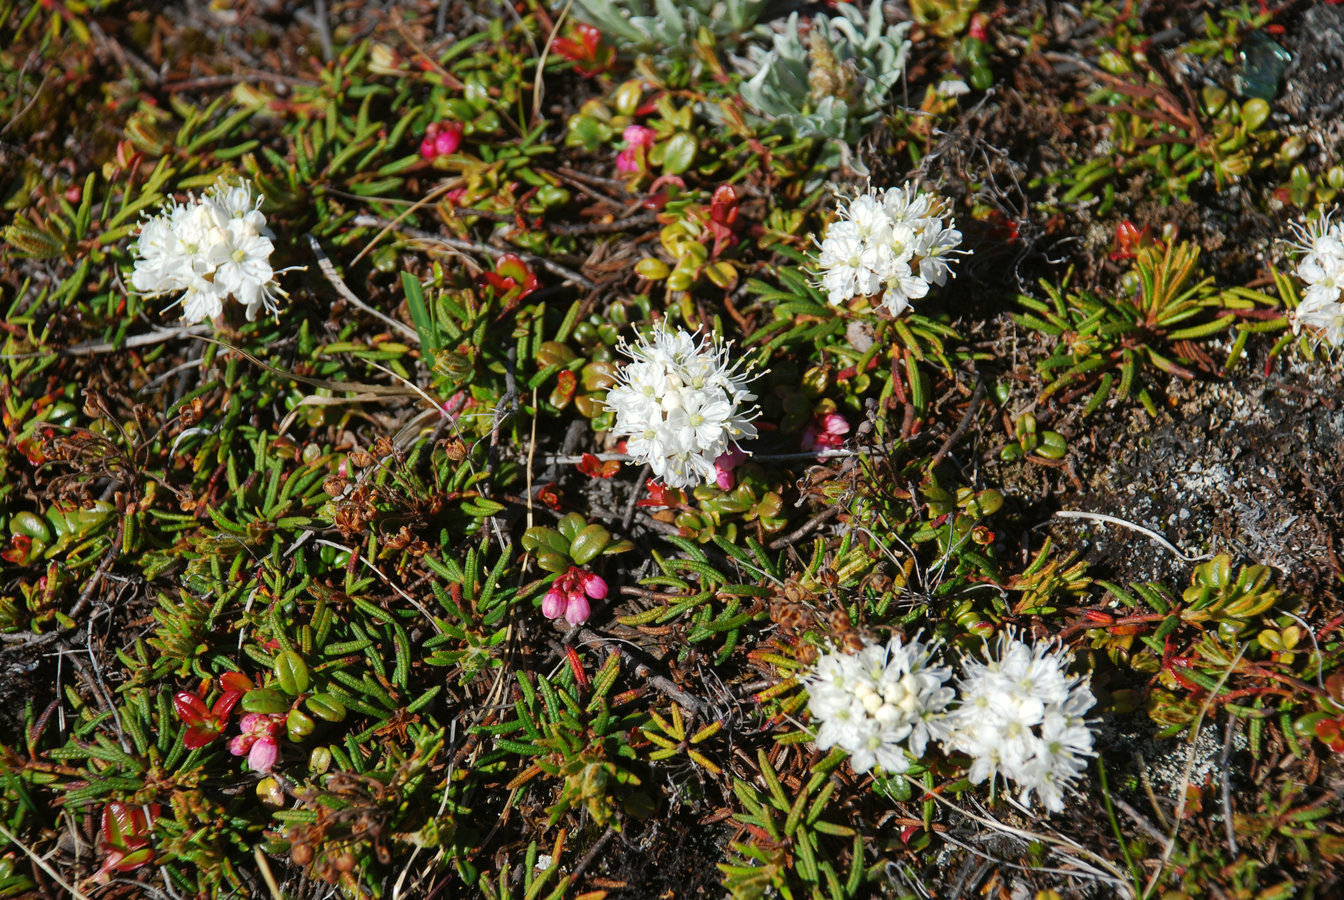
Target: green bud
<point x="1025" y="425"/>
<point x="551" y="196"/>
<point x="722" y="274"/>
<point x="554" y="353"/>
<point x="598" y="376"/>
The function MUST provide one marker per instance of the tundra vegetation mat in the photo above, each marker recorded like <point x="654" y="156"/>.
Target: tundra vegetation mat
<point x="699" y="449"/>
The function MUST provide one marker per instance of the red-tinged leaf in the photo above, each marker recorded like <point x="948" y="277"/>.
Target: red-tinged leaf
<point x="576" y="664"/>
<point x="224" y="705"/>
<point x="760" y="834"/>
<point x="498" y="282"/>
<point x="20" y="546"/>
<point x="723" y="205"/>
<point x="113" y="827"/>
<point x="134" y="860"/>
<point x="510" y="265"/>
<point x="590" y="54"/>
<point x="1130" y="239"/>
<point x="197" y="736"/>
<point x="591" y="466"/>
<point x="126" y="827"/>
<point x="190" y="708"/>
<point x="235" y="681"/>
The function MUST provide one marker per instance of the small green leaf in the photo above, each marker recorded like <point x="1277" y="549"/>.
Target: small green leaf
<point x="679" y="153"/>
<point x="264" y="701"/>
<point x="292" y="672"/>
<point x="325" y="706"/>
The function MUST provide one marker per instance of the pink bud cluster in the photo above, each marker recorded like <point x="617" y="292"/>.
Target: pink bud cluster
<point x="638" y="142"/>
<point x="441" y="139"/>
<point x="825" y="432"/>
<point x="724" y="466"/>
<point x="569" y="596"/>
<point x="258" y="740"/>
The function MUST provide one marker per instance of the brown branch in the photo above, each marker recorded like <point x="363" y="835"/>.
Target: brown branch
<point x="977" y="396"/>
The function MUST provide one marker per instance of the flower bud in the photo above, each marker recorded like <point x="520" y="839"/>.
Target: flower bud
<point x="594" y="586"/>
<point x="263" y="755"/>
<point x="553" y="604"/>
<point x="447" y="142"/>
<point x="578" y="611"/>
<point x="441" y="139"/>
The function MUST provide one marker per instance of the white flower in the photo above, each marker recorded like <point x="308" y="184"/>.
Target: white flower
<point x="896" y="242"/>
<point x="880" y="703"/>
<point x="842" y="263"/>
<point x="1321" y="269"/>
<point x="681" y="405"/>
<point x="870" y="219"/>
<point x="1021" y="716"/>
<point x="906" y="204"/>
<point x="209" y="249"/>
<point x="1319" y="241"/>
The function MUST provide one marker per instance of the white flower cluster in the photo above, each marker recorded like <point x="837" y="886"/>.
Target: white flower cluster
<point x="681" y="405"/>
<point x="877" y="703"/>
<point x="1021" y="716"/>
<point x="897" y="242"/>
<point x="209" y="249"/>
<point x="1322" y="270"/>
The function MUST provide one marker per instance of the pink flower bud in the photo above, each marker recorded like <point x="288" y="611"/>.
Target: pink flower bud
<point x="264" y="754"/>
<point x="448" y="141"/>
<point x="578" y="610"/>
<point x="836" y="424"/>
<point x="638" y="136"/>
<point x="594" y="586"/>
<point x="255" y="724"/>
<point x="441" y="139"/>
<point x="825" y="432"/>
<point x="724" y="466"/>
<point x="553" y="604"/>
<point x="638" y="140"/>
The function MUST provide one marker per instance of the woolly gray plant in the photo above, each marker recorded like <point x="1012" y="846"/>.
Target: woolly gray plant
<point x="833" y="83"/>
<point x="664" y="28"/>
